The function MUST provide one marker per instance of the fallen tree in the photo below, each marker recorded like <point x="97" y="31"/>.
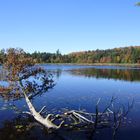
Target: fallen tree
<point x="109" y="118"/>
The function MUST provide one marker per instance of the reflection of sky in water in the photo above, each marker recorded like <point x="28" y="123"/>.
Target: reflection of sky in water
<point x="76" y="91"/>
<point x="4" y="83"/>
<point x="80" y="91"/>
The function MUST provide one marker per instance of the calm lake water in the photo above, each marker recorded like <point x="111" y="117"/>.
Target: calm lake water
<point x="78" y="87"/>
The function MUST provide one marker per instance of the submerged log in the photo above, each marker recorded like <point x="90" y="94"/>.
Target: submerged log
<point x="97" y="120"/>
<point x="37" y="116"/>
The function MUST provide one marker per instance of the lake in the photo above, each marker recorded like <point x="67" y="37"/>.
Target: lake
<point x="78" y="87"/>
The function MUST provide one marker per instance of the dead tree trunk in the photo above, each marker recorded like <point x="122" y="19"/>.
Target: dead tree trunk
<point x="37" y="115"/>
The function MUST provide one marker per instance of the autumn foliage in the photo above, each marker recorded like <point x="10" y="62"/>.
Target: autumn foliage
<point x="20" y="67"/>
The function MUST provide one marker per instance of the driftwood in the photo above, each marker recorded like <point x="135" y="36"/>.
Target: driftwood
<point x="37" y="115"/>
<point x="107" y="118"/>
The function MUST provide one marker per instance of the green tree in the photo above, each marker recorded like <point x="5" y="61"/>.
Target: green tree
<point x="138" y="4"/>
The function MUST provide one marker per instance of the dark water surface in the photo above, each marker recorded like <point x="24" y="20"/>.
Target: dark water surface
<point x="78" y="87"/>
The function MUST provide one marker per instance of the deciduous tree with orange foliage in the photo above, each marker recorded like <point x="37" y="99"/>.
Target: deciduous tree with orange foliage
<point x="19" y="68"/>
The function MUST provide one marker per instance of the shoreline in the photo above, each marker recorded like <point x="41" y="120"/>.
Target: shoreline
<point x="95" y="64"/>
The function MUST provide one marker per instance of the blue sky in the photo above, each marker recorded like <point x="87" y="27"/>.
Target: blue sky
<point x="68" y="25"/>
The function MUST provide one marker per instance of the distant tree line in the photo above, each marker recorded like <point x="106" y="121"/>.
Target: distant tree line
<point x="117" y="55"/>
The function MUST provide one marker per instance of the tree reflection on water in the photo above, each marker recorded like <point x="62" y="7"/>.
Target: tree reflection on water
<point x="117" y="74"/>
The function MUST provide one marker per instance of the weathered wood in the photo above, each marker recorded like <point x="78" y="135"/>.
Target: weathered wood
<point x="37" y="115"/>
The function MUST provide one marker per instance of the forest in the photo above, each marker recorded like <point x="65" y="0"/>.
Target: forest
<point x="130" y="55"/>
